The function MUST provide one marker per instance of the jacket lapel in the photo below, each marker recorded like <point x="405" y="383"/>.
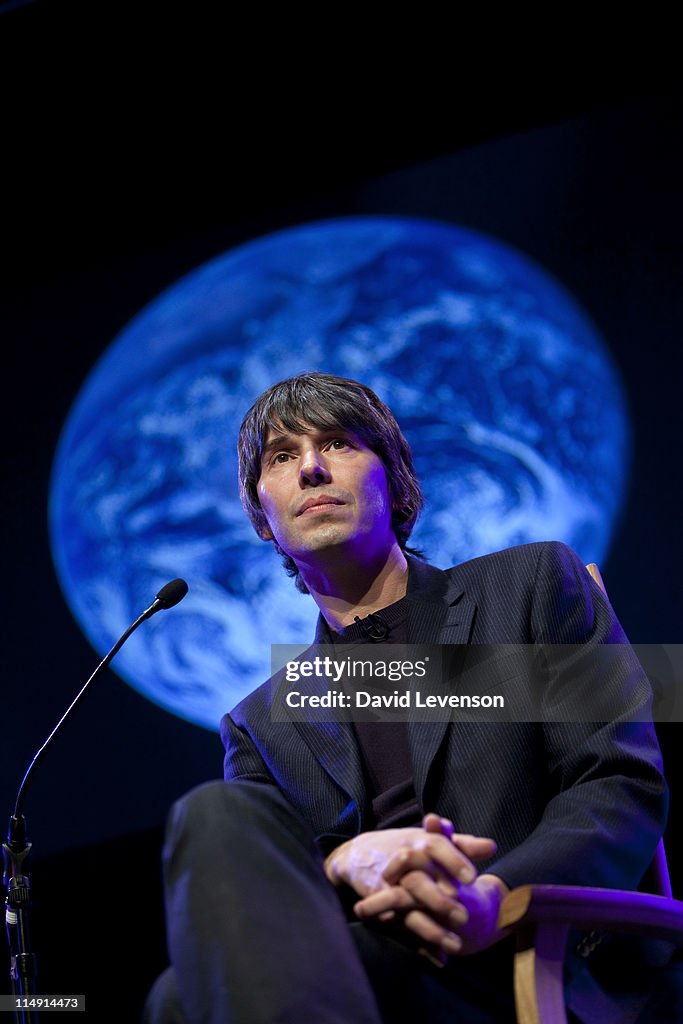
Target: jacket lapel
<point x="333" y="743"/>
<point x="438" y="613"/>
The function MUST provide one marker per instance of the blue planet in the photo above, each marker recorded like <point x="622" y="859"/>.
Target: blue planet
<point x="503" y="386"/>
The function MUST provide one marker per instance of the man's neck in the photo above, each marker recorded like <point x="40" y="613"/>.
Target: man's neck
<point x="354" y="589"/>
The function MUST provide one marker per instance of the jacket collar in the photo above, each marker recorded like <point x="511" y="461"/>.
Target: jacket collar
<point x="437" y="610"/>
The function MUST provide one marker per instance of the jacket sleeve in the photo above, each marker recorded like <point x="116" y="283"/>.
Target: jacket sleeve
<point x="608" y="796"/>
<point x="242" y="760"/>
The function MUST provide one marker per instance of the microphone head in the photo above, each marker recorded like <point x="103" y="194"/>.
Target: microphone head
<point x="171" y="593"/>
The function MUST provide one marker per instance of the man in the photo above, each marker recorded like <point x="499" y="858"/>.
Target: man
<point x="334" y="877"/>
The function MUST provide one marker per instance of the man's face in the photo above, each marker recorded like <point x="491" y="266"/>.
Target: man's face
<point x="321" y="490"/>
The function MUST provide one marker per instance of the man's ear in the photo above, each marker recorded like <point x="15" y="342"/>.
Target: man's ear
<point x="265" y="533"/>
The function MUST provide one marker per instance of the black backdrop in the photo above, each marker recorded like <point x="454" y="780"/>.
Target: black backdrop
<point x="121" y="173"/>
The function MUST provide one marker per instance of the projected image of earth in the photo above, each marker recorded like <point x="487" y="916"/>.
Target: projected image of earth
<point x="502" y="385"/>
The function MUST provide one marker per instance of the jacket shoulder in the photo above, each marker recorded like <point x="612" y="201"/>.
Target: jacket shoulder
<point x="536" y="558"/>
<point x="255" y="705"/>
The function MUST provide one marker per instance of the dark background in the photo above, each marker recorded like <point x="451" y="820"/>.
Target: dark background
<point x="135" y="149"/>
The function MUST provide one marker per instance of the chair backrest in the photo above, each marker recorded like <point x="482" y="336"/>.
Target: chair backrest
<point x="657" y="877"/>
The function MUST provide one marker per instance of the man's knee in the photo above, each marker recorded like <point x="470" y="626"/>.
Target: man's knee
<point x="233" y="801"/>
<point x="204" y="804"/>
<point x="217" y="814"/>
<point x="162" y="1005"/>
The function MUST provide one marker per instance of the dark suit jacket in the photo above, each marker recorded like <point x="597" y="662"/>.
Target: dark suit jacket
<point x="575" y="803"/>
<point x="579" y="803"/>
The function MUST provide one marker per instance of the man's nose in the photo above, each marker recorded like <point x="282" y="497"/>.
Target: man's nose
<point x="313" y="468"/>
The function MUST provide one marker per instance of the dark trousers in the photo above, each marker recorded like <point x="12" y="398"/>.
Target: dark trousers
<point x="257" y="935"/>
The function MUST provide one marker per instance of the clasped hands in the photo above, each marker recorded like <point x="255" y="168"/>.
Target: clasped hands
<point x="426" y="878"/>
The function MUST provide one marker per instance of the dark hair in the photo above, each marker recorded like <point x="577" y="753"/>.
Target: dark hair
<point x="323" y="401"/>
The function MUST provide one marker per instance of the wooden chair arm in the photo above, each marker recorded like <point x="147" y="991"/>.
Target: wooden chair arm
<point x="541" y="917"/>
<point x="603" y="909"/>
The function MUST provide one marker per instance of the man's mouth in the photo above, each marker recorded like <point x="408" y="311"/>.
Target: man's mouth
<point x="318" y="504"/>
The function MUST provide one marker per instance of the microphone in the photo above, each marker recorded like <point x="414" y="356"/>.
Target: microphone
<point x="373" y="627"/>
<point x="169" y="595"/>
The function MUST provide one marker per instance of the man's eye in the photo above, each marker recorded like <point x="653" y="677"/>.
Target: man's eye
<point x="281" y="457"/>
<point x="339" y="442"/>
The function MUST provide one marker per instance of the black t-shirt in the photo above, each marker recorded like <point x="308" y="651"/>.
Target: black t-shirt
<point x="383" y="746"/>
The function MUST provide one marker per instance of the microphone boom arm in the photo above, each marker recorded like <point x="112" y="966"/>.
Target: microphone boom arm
<point x="169" y="595"/>
<point x="16" y="849"/>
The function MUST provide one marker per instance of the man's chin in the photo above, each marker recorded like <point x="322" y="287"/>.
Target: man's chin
<point x="324" y="546"/>
<point x="320" y="548"/>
